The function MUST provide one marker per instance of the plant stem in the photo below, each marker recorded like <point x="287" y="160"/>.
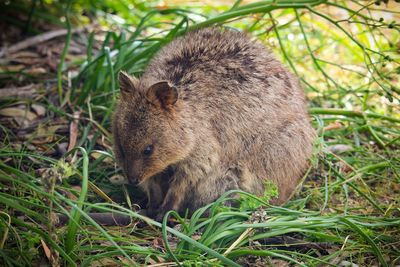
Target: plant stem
<point x="75" y="216"/>
<point x="351" y="113"/>
<point x="64" y="53"/>
<point x="258" y="7"/>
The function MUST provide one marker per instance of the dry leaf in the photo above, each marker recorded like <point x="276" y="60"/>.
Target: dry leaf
<point x="39" y="109"/>
<point x="44" y="134"/>
<point x="196" y="237"/>
<point x="18" y="112"/>
<point x="46" y="249"/>
<point x="28" y="60"/>
<point x="28" y="90"/>
<point x="333" y="126"/>
<point x="73" y="131"/>
<point x="158" y="243"/>
<point x="12" y="68"/>
<point x="339" y="148"/>
<point x="36" y="71"/>
<point x="97" y="155"/>
<point x="24" y="54"/>
<point x="104" y="262"/>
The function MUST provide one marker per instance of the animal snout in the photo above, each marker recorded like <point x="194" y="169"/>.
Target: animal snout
<point x="133" y="179"/>
<point x="133" y="172"/>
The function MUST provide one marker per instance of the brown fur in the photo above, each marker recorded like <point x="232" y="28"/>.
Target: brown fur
<point x="221" y="113"/>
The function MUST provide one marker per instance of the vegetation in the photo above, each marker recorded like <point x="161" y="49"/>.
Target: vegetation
<point x="56" y="150"/>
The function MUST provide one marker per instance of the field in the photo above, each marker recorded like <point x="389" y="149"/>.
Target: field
<point x="58" y="66"/>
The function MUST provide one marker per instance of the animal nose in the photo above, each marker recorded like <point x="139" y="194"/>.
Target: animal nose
<point x="133" y="179"/>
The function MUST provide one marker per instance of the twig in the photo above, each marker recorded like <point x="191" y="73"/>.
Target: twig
<point x="237" y="241"/>
<point x="35" y="40"/>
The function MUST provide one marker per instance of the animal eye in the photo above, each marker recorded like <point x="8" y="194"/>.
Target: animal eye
<point x="148" y="150"/>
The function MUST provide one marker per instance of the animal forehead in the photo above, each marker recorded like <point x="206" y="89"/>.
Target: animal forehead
<point x="133" y="112"/>
<point x="133" y="123"/>
<point x="142" y="124"/>
<point x="140" y="120"/>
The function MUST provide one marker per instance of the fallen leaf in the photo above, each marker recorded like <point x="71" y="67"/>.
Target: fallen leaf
<point x="18" y="112"/>
<point x="333" y="126"/>
<point x="39" y="109"/>
<point x="97" y="155"/>
<point x="158" y="242"/>
<point x="36" y="71"/>
<point x="73" y="130"/>
<point x="347" y="264"/>
<point x="312" y="95"/>
<point x="24" y="54"/>
<point x="104" y="262"/>
<point x="27" y="60"/>
<point x="196" y="237"/>
<point x="46" y="249"/>
<point x="344" y="167"/>
<point x="12" y="68"/>
<point x="339" y="148"/>
<point x="44" y="134"/>
<point x="159" y="262"/>
<point x="28" y="90"/>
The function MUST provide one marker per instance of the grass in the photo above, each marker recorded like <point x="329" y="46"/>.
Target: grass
<point x="346" y="54"/>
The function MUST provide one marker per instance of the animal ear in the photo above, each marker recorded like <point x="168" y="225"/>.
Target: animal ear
<point x="128" y="84"/>
<point x="162" y="94"/>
